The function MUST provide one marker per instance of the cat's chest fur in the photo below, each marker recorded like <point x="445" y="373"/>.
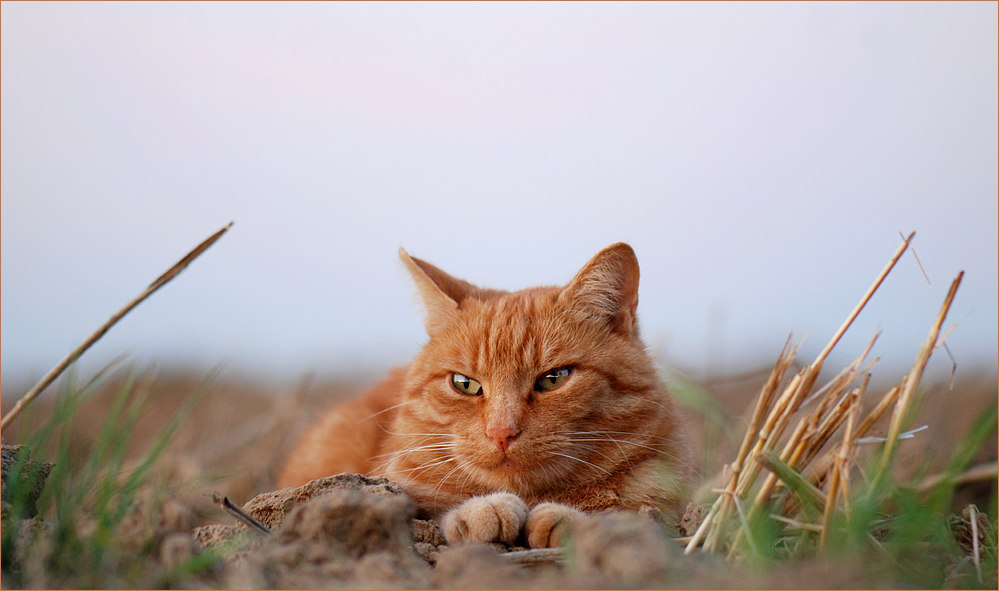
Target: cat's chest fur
<point x="546" y="393"/>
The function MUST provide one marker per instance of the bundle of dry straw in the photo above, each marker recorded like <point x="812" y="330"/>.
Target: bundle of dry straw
<point x="803" y="456"/>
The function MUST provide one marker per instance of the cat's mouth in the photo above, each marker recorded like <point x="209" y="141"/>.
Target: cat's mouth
<point x="504" y="464"/>
<point x="507" y="463"/>
<point x="499" y="466"/>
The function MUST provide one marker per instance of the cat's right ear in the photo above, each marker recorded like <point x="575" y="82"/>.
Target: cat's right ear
<point x="607" y="288"/>
<point x="440" y="292"/>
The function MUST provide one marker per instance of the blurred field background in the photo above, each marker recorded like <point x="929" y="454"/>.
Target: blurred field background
<point x="240" y="431"/>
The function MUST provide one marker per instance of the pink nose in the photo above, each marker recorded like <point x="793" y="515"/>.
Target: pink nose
<point x="502" y="435"/>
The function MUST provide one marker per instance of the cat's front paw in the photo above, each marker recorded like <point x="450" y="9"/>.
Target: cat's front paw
<point x="498" y="517"/>
<point x="550" y="524"/>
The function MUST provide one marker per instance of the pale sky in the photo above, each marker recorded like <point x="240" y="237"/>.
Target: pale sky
<point x="760" y="158"/>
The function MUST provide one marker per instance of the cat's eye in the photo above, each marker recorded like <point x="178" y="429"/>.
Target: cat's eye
<point x="552" y="379"/>
<point x="465" y="385"/>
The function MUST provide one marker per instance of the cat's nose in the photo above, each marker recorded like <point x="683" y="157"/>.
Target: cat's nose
<point x="503" y="435"/>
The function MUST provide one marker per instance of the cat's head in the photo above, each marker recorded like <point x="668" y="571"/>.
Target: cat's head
<point x="529" y="390"/>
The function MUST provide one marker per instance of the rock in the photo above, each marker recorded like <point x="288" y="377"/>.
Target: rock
<point x="692" y="518"/>
<point x="428" y="531"/>
<point x="965" y="534"/>
<point x="32" y="476"/>
<point x="428" y="541"/>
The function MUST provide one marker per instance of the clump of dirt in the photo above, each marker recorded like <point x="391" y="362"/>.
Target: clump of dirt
<point x="31" y="477"/>
<point x="344" y="538"/>
<point x="270" y="508"/>
<point x="350" y="530"/>
<point x="344" y="530"/>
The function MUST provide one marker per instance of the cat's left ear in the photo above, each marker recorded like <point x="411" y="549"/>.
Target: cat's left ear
<point x="440" y="292"/>
<point x="607" y="288"/>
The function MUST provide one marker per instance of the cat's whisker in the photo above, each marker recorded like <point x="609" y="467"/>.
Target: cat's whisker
<point x="563" y="469"/>
<point x="440" y="483"/>
<point x="390" y="457"/>
<point x="662" y="406"/>
<point x="395" y="455"/>
<point x="461" y="489"/>
<point x="420" y="470"/>
<point x="409" y="434"/>
<point x="582" y="461"/>
<point x="394" y="406"/>
<point x="659" y="451"/>
<point x="619" y="441"/>
<point x="595" y="449"/>
<point x="427" y="466"/>
<point x="430" y="462"/>
<point x="668" y="439"/>
<point x="411" y="450"/>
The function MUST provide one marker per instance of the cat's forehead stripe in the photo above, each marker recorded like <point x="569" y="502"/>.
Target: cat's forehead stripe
<point x="506" y="334"/>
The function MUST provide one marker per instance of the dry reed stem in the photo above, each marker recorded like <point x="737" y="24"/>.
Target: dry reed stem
<point x="60" y="367"/>
<point x="774" y="423"/>
<point x="797" y="524"/>
<point x="767" y="460"/>
<point x="804" y="386"/>
<point x="986" y="471"/>
<point x="740" y="512"/>
<point x="848" y="450"/>
<point x="820" y="468"/>
<point x="845" y="376"/>
<point x="838" y="474"/>
<point x="905" y="397"/>
<point x="820" y="429"/>
<point x="764" y="441"/>
<point x="975" y="551"/>
<point x="237" y="512"/>
<point x="832" y="421"/>
<point x="763" y="402"/>
<point x="830" y="504"/>
<point x="773" y="427"/>
<point x="918" y="262"/>
<point x="824" y="432"/>
<point x="835" y="473"/>
<point x="867" y="296"/>
<point x="811" y="375"/>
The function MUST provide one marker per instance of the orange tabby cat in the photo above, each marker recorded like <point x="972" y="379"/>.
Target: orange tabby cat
<point x="523" y="411"/>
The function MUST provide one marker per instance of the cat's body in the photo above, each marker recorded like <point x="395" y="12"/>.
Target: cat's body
<point x="521" y="411"/>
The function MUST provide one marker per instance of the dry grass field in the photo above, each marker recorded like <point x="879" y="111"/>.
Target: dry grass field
<point x="232" y="435"/>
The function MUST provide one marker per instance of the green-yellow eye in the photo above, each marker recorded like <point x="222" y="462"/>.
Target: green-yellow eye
<point x="465" y="385"/>
<point x="552" y="379"/>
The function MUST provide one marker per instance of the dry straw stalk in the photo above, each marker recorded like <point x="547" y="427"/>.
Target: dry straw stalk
<point x="836" y="404"/>
<point x="75" y="354"/>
